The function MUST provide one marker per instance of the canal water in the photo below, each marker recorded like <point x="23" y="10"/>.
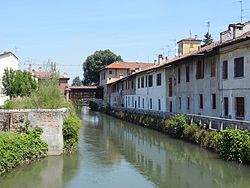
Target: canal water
<point x="114" y="153"/>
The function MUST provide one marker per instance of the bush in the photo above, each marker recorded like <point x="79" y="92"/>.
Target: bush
<point x="71" y="127"/>
<point x="189" y="132"/>
<point x="234" y="145"/>
<point x="175" y="125"/>
<point x="16" y="149"/>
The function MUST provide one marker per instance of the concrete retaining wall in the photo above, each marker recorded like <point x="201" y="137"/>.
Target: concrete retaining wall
<point x="49" y="120"/>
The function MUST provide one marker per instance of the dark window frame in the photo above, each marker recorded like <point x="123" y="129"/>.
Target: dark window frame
<point x="201" y="101"/>
<point x="158" y="79"/>
<point x="239" y="67"/>
<point x="187" y="74"/>
<point x="225" y="70"/>
<point x="200" y="69"/>
<point x="150" y="81"/>
<point x="213" y="101"/>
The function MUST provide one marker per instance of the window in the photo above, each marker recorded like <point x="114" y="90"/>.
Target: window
<point x="110" y="72"/>
<point x="239" y="67"/>
<point x="132" y="84"/>
<point x="240" y="107"/>
<point x="104" y="75"/>
<point x="129" y="101"/>
<point x="143" y="103"/>
<point x="213" y="68"/>
<point x="126" y="102"/>
<point x="188" y="103"/>
<point x="191" y="45"/>
<point x="170" y="89"/>
<point x="226" y="106"/>
<point x="170" y="106"/>
<point x="201" y="101"/>
<point x="146" y="81"/>
<point x="213" y="101"/>
<point x="150" y="103"/>
<point x="225" y="70"/>
<point x="132" y="101"/>
<point x="142" y="82"/>
<point x="138" y="82"/>
<point x="179" y="75"/>
<point x="139" y="102"/>
<point x="200" y="69"/>
<point x="150" y="80"/>
<point x="159" y="104"/>
<point x="179" y="102"/>
<point x="158" y="81"/>
<point x="187" y="73"/>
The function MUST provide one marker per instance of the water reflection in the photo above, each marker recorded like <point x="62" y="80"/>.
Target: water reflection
<point x="164" y="161"/>
<point x="114" y="153"/>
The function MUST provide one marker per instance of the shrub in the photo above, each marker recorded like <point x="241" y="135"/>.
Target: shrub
<point x="175" y="125"/>
<point x="71" y="127"/>
<point x="189" y="132"/>
<point x="16" y="149"/>
<point x="234" y="145"/>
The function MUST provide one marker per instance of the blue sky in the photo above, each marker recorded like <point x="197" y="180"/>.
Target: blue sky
<point x="66" y="32"/>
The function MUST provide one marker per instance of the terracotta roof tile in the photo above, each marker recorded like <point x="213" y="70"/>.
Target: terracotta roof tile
<point x="128" y="65"/>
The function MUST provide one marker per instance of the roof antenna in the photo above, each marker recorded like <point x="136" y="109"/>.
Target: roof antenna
<point x="241" y="10"/>
<point x="190" y="33"/>
<point x="208" y="26"/>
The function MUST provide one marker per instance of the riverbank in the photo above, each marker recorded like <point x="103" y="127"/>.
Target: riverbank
<point x="17" y="148"/>
<point x="231" y="145"/>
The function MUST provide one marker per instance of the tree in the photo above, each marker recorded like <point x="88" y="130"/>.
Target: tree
<point x="207" y="40"/>
<point x="96" y="62"/>
<point x="76" y="81"/>
<point x="18" y="83"/>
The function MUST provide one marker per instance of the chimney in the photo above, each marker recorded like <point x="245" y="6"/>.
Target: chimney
<point x="155" y="61"/>
<point x="160" y="58"/>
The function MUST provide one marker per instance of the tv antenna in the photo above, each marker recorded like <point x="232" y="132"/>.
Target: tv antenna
<point x="208" y="26"/>
<point x="241" y="10"/>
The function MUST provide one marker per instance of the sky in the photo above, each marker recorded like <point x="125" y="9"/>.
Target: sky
<point x="68" y="31"/>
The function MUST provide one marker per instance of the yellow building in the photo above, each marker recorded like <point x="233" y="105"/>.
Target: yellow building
<point x="188" y="45"/>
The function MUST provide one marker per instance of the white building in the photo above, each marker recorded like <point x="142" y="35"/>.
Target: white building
<point x="10" y="61"/>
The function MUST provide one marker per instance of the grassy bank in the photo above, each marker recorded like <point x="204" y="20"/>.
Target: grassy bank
<point x="231" y="145"/>
<point x="48" y="96"/>
<point x="16" y="149"/>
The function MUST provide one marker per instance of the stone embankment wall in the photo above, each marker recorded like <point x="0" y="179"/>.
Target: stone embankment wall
<point x="49" y="120"/>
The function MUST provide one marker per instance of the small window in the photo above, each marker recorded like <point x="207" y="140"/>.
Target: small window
<point x="150" y="103"/>
<point x="240" y="107"/>
<point x="239" y="67"/>
<point x="143" y="103"/>
<point x="200" y="69"/>
<point x="110" y="72"/>
<point x="104" y="75"/>
<point x="187" y="73"/>
<point x="159" y="104"/>
<point x="142" y="82"/>
<point x="139" y="102"/>
<point x="179" y="102"/>
<point x="179" y="75"/>
<point x="158" y="79"/>
<point x="226" y="106"/>
<point x="170" y="106"/>
<point x="170" y="87"/>
<point x="138" y="82"/>
<point x="146" y="81"/>
<point x="132" y="84"/>
<point x="201" y="101"/>
<point x="225" y="70"/>
<point x="213" y="101"/>
<point x="150" y="80"/>
<point x="188" y="103"/>
<point x="213" y="68"/>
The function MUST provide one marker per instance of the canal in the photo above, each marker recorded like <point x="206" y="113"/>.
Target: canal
<point x="114" y="153"/>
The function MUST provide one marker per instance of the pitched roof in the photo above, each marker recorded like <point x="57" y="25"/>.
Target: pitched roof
<point x="189" y="39"/>
<point x="205" y="49"/>
<point x="45" y="75"/>
<point x="8" y="53"/>
<point x="128" y="65"/>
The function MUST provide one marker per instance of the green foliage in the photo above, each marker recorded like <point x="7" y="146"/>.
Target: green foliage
<point x="18" y="83"/>
<point x="71" y="127"/>
<point x="47" y="96"/>
<point x="175" y="125"/>
<point x="234" y="145"/>
<point x="76" y="81"/>
<point x="16" y="149"/>
<point x="189" y="132"/>
<point x="93" y="105"/>
<point x="207" y="40"/>
<point x="95" y="62"/>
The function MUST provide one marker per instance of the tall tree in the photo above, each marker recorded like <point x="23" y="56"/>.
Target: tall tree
<point x="76" y="81"/>
<point x="207" y="40"/>
<point x="18" y="83"/>
<point x="95" y="62"/>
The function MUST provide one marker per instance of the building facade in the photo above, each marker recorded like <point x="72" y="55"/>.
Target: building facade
<point x="210" y="81"/>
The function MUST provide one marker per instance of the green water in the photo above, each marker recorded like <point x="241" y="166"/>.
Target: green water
<point x="114" y="153"/>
